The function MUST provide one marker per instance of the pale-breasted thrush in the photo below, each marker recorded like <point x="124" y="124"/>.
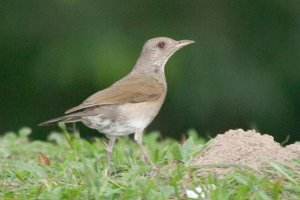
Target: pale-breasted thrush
<point x="129" y="105"/>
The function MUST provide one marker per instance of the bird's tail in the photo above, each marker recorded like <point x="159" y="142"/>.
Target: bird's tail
<point x="65" y="119"/>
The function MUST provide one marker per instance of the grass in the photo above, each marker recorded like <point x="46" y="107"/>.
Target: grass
<point x="69" y="167"/>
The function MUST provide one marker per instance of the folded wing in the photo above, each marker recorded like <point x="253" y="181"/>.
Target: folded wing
<point x="130" y="90"/>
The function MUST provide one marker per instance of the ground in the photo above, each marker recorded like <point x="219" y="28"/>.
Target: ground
<point x="69" y="167"/>
<point x="248" y="148"/>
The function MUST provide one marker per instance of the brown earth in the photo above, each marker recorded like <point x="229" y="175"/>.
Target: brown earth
<point x="249" y="148"/>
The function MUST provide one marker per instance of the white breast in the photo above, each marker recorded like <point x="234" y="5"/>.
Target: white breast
<point x="140" y="115"/>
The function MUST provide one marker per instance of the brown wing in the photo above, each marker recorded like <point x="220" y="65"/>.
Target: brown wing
<point x="131" y="90"/>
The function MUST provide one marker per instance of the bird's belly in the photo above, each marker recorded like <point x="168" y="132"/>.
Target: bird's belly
<point x="108" y="126"/>
<point x="130" y="117"/>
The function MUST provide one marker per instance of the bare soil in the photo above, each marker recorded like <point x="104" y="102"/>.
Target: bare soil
<point x="249" y="148"/>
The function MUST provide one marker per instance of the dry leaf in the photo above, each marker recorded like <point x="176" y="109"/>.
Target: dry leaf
<point x="44" y="160"/>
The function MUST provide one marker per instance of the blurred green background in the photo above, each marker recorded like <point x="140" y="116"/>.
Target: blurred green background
<point x="243" y="72"/>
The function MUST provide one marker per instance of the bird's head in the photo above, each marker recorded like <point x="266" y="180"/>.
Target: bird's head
<point x="157" y="51"/>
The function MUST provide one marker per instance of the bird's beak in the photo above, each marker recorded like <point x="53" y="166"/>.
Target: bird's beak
<point x="183" y="43"/>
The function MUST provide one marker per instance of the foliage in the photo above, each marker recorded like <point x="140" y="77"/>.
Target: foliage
<point x="69" y="167"/>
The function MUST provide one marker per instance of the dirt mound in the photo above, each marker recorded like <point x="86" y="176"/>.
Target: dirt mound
<point x="245" y="148"/>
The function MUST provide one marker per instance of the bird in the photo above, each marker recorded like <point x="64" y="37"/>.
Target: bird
<point x="129" y="105"/>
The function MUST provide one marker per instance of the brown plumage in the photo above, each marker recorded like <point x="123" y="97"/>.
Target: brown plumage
<point x="134" y="89"/>
<point x="129" y="105"/>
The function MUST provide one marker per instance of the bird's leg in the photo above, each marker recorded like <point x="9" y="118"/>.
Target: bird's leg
<point x="75" y="130"/>
<point x="109" y="149"/>
<point x="138" y="137"/>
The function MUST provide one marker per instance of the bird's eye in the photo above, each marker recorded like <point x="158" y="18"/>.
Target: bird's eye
<point x="161" y="44"/>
